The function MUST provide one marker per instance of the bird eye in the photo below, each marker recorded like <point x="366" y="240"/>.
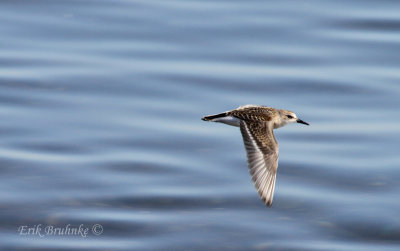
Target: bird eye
<point x="289" y="116"/>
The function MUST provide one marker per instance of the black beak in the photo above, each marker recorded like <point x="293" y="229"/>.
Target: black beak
<point x="302" y="122"/>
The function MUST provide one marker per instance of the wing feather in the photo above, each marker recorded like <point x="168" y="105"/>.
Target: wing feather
<point x="262" y="156"/>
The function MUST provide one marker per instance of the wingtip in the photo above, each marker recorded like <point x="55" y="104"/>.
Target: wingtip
<point x="268" y="203"/>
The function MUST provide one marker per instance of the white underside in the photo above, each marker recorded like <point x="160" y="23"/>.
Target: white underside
<point x="229" y="120"/>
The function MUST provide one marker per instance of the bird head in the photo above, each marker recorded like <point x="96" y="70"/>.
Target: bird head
<point x="287" y="117"/>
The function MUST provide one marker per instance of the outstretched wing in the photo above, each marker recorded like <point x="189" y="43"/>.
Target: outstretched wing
<point x="262" y="156"/>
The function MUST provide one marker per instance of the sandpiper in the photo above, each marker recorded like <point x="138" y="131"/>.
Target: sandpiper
<point x="256" y="125"/>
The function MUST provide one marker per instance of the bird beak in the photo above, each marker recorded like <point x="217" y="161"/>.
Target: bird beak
<point x="302" y="122"/>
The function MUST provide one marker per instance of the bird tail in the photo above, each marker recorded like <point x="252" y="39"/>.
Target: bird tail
<point x="211" y="117"/>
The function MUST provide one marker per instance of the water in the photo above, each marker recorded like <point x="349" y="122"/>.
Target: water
<point x="100" y="106"/>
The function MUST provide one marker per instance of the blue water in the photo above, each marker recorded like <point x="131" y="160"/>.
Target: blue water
<point x="100" y="107"/>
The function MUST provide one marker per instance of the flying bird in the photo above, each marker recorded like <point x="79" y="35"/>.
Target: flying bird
<point x="256" y="125"/>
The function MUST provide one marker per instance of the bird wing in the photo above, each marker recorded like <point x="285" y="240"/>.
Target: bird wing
<point x="262" y="156"/>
